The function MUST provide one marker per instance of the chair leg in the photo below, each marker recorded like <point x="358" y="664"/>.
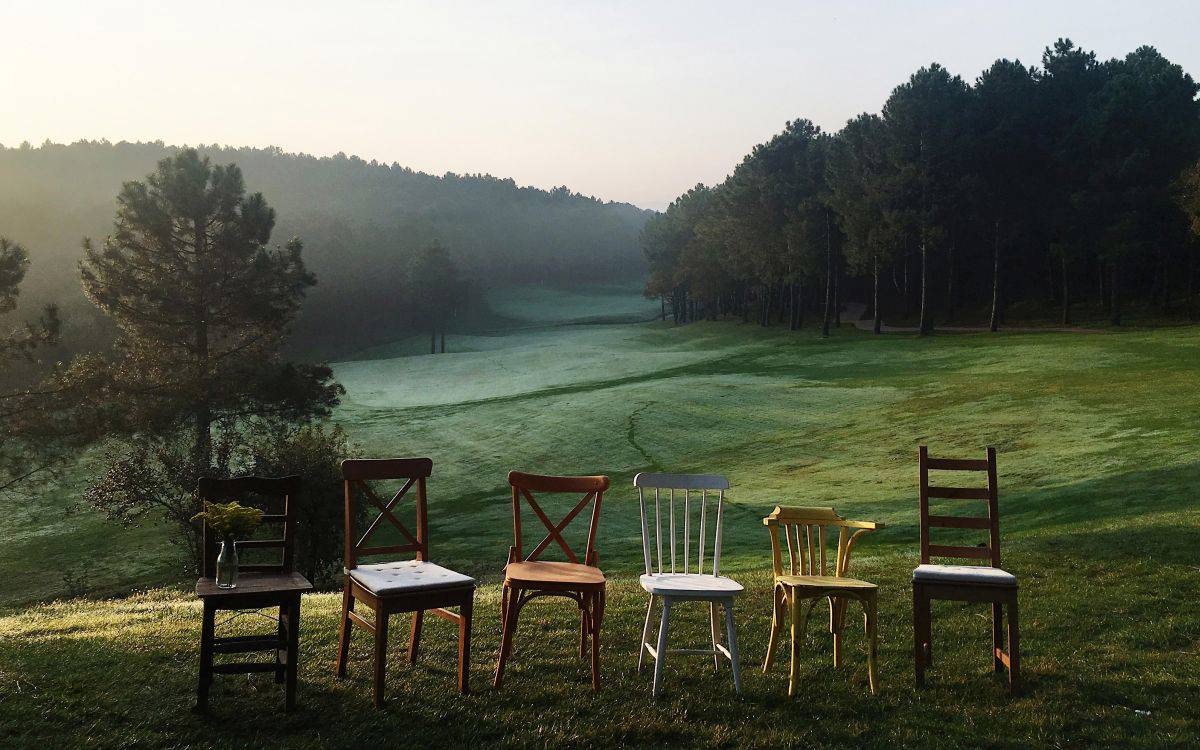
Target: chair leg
<point x="281" y="635"/>
<point x="597" y="616"/>
<point x="207" y="628"/>
<point x="661" y="656"/>
<point x="293" y="653"/>
<point x="731" y="637"/>
<point x="464" y="643"/>
<point x="1014" y="647"/>
<point x="414" y="641"/>
<point x="583" y="625"/>
<point x="380" y="666"/>
<point x="919" y="607"/>
<point x="344" y="630"/>
<point x="837" y="623"/>
<point x="997" y="636"/>
<point x="506" y="638"/>
<point x="799" y="621"/>
<point x="777" y="602"/>
<point x="871" y="616"/>
<point x="645" y="634"/>
<point x="716" y="637"/>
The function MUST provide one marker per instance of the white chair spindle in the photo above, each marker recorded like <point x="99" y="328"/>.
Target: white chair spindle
<point x="703" y="503"/>
<point x="687" y="528"/>
<point x="645" y="531"/>
<point x="658" y="529"/>
<point x="672" y="530"/>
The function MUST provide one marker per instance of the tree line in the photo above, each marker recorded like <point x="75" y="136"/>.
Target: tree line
<point x="366" y="225"/>
<point x="1070" y="184"/>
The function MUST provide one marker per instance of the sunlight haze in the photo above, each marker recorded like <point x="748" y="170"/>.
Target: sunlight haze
<point x="625" y="101"/>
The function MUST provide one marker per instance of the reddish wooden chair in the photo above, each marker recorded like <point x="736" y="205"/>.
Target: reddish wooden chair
<point x="401" y="586"/>
<point x="259" y="586"/>
<point x="527" y="577"/>
<point x="965" y="583"/>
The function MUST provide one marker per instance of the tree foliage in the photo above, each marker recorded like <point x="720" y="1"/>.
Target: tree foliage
<point x="1056" y="184"/>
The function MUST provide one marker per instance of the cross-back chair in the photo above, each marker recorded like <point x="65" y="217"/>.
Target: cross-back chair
<point x="388" y="588"/>
<point x="260" y="586"/>
<point x="811" y="576"/>
<point x="967" y="583"/>
<point x="527" y="577"/>
<point x="677" y="579"/>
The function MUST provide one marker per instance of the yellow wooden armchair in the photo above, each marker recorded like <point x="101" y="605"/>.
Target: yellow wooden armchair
<point x="809" y="577"/>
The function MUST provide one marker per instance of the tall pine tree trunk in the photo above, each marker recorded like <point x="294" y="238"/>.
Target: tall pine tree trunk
<point x="799" y="302"/>
<point x="950" y="283"/>
<point x="433" y="338"/>
<point x="877" y="326"/>
<point x="1066" y="294"/>
<point x="837" y="293"/>
<point x="1114" y="291"/>
<point x="923" y="325"/>
<point x="995" y="322"/>
<point x="443" y="338"/>
<point x="828" y="279"/>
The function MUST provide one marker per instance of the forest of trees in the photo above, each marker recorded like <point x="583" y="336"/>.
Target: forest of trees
<point x="365" y="226"/>
<point x="1059" y="188"/>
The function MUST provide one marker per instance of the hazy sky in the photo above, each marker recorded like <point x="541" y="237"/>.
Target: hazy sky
<point x="628" y="101"/>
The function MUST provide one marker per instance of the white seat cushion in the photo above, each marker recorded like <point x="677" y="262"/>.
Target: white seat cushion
<point x="690" y="584"/>
<point x="964" y="574"/>
<point x="407" y="575"/>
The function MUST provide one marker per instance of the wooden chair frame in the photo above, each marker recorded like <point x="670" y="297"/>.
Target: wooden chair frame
<point x="589" y="596"/>
<point x="1002" y="597"/>
<point x="831" y="583"/>
<point x="704" y="484"/>
<point x="414" y="472"/>
<point x="260" y="586"/>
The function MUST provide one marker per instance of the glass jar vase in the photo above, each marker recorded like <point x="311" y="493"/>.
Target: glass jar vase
<point x="227" y="565"/>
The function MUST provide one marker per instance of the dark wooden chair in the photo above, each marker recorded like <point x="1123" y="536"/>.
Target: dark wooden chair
<point x="966" y="583"/>
<point x="527" y="577"/>
<point x="259" y="586"/>
<point x="400" y="586"/>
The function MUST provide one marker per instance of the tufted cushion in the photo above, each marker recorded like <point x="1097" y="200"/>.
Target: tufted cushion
<point x="964" y="574"/>
<point x="407" y="575"/>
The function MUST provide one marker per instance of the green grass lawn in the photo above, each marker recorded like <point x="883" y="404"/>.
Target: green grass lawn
<point x="1099" y="470"/>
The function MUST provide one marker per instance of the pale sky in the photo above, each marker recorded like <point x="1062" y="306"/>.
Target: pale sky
<point x="629" y="101"/>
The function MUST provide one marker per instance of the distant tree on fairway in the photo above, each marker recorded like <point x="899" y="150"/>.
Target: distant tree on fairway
<point x="202" y="305"/>
<point x="435" y="288"/>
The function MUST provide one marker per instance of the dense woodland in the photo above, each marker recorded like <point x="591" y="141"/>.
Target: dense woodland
<point x="364" y="226"/>
<point x="1067" y="187"/>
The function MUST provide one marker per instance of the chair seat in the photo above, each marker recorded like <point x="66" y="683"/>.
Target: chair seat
<point x="824" y="582"/>
<point x="690" y="584"/>
<point x="408" y="575"/>
<point x="550" y="574"/>
<point x="254" y="584"/>
<point x="977" y="574"/>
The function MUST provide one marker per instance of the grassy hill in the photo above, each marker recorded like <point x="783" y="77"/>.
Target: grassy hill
<point x="1097" y="439"/>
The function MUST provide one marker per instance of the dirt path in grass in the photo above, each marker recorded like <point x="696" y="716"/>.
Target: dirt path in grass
<point x="856" y="310"/>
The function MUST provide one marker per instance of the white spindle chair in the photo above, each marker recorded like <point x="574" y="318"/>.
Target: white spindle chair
<point x="675" y="579"/>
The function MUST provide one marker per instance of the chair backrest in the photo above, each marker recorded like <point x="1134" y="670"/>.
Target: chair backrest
<point x="524" y="485"/>
<point x="990" y="522"/>
<point x="807" y="555"/>
<point x="702" y="484"/>
<point x="242" y="489"/>
<point x="357" y="473"/>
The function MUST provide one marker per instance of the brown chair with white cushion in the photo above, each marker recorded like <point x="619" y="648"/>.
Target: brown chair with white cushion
<point x="402" y="585"/>
<point x="965" y="583"/>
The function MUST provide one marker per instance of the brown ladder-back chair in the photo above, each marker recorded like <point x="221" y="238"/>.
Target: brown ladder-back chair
<point x="401" y="586"/>
<point x="965" y="583"/>
<point x="809" y="578"/>
<point x="526" y="577"/>
<point x="259" y="586"/>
